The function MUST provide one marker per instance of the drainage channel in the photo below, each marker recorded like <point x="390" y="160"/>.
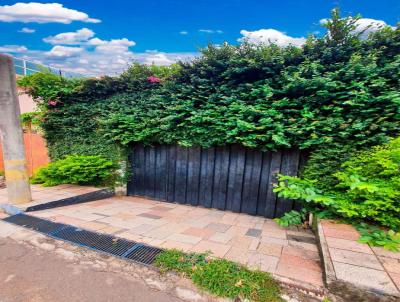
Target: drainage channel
<point x="109" y="244"/>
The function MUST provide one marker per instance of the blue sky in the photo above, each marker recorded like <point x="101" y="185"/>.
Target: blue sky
<point x="162" y="31"/>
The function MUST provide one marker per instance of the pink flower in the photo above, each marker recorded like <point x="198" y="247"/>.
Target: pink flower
<point x="52" y="103"/>
<point x="153" y="79"/>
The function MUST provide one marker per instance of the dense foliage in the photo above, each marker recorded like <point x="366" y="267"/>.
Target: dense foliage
<point x="221" y="277"/>
<point x="334" y="95"/>
<point x="76" y="169"/>
<point x="368" y="187"/>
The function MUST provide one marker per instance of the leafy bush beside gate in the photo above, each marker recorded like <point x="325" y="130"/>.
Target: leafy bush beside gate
<point x="76" y="169"/>
<point x="368" y="187"/>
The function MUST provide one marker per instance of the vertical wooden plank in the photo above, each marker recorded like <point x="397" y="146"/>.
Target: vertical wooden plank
<point x="235" y="180"/>
<point x="130" y="189"/>
<point x="276" y="158"/>
<point x="251" y="181"/>
<point x="289" y="166"/>
<point x="194" y="162"/>
<point x="221" y="168"/>
<point x="150" y="171"/>
<point x="139" y="169"/>
<point x="206" y="177"/>
<point x="160" y="172"/>
<point x="181" y="174"/>
<point x="171" y="167"/>
<point x="264" y="182"/>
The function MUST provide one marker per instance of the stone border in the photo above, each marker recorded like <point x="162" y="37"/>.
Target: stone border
<point x="82" y="198"/>
<point x="328" y="269"/>
<point x="91" y="196"/>
<point x="341" y="288"/>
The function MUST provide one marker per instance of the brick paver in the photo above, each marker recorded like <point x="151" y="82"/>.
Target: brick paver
<point x="253" y="241"/>
<point x="368" y="267"/>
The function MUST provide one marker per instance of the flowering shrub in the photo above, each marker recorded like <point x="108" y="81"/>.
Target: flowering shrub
<point x="153" y="79"/>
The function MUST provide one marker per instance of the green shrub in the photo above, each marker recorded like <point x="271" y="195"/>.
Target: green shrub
<point x="375" y="236"/>
<point x="333" y="95"/>
<point x="76" y="169"/>
<point x="368" y="187"/>
<point x="292" y="218"/>
<point x="221" y="277"/>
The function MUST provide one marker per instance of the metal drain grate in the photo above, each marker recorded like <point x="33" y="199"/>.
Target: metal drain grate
<point x="101" y="242"/>
<point x="144" y="254"/>
<point x="105" y="243"/>
<point x="34" y="223"/>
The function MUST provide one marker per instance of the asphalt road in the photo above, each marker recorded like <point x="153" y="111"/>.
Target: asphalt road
<point x="27" y="275"/>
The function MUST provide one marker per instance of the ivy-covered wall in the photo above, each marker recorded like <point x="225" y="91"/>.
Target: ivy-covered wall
<point x="333" y="95"/>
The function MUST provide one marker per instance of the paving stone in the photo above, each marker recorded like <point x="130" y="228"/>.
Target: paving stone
<point x="94" y="226"/>
<point x="349" y="245"/>
<point x="253" y="232"/>
<point x="300" y="238"/>
<point x="7" y="229"/>
<point x="303" y="245"/>
<point x="199" y="232"/>
<point x="112" y="230"/>
<point x="268" y="263"/>
<point x="217" y="249"/>
<point x="218" y="227"/>
<point x="188" y="295"/>
<point x="349" y="235"/>
<point x="396" y="279"/>
<point x="221" y="237"/>
<point x="142" y="229"/>
<point x="300" y="252"/>
<point x="151" y="216"/>
<point x="254" y="244"/>
<point x="365" y="277"/>
<point x="391" y="265"/>
<point x="237" y="254"/>
<point x="298" y="273"/>
<point x="273" y="240"/>
<point x="355" y="258"/>
<point x="270" y="249"/>
<point x="380" y="251"/>
<point x="170" y="244"/>
<point x="287" y="259"/>
<point x="184" y="238"/>
<point x="161" y="208"/>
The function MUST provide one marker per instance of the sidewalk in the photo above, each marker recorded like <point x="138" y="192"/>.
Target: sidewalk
<point x="290" y="255"/>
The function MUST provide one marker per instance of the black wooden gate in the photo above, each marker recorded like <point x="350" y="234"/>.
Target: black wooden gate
<point x="227" y="178"/>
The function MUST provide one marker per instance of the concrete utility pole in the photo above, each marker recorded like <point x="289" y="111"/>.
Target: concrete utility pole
<point x="16" y="172"/>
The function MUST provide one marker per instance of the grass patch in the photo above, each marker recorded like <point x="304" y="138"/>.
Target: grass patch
<point x="221" y="277"/>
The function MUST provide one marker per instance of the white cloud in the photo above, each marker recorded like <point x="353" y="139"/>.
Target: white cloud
<point x="211" y="31"/>
<point x="13" y="48"/>
<point x="114" y="45"/>
<point x="365" y="26"/>
<point x="64" y="51"/>
<point x="71" y="38"/>
<point x="184" y="32"/>
<point x="110" y="59"/>
<point x="270" y="36"/>
<point x="42" y="13"/>
<point x="27" y="30"/>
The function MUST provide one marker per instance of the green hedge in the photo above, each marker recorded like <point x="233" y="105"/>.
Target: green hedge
<point x="334" y="95"/>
